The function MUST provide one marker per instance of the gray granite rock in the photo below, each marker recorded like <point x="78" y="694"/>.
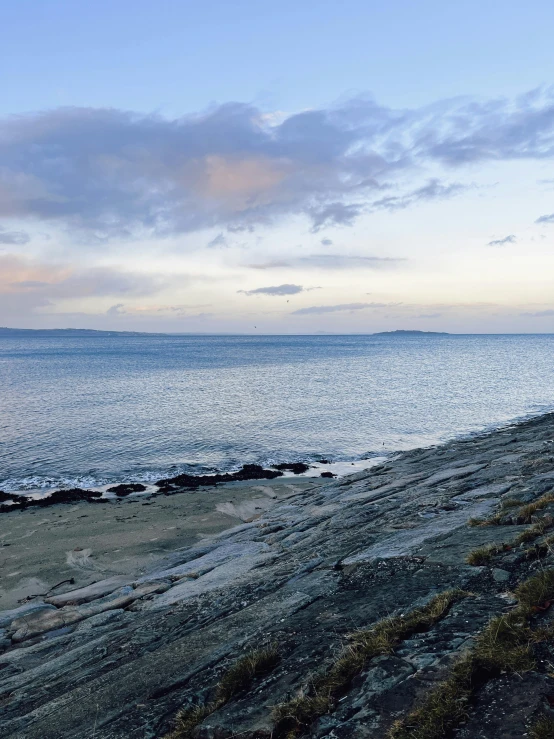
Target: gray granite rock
<point x="118" y="658"/>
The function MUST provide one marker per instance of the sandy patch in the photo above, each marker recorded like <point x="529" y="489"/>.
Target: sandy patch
<point x="90" y="541"/>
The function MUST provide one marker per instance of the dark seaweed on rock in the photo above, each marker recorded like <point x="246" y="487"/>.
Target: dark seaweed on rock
<point x="75" y="495"/>
<point x="297" y="467"/>
<point x="247" y="472"/>
<point x="4" y="497"/>
<point x="127" y="489"/>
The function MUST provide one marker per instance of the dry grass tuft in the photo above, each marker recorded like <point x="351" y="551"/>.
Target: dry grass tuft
<point x="235" y="680"/>
<point x="495" y="520"/>
<point x="187" y="720"/>
<point x="536" y="591"/>
<point x="505" y="644"/>
<point x="540" y="549"/>
<point x="525" y="514"/>
<point x="320" y="695"/>
<point x="534" y="531"/>
<point x="483" y="555"/>
<point x="543" y="728"/>
<point x="444" y="708"/>
<point x="240" y="676"/>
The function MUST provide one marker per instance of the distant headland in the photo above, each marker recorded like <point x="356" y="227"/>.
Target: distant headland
<point x="91" y="331"/>
<point x="64" y="331"/>
<point x="4" y="330"/>
<point x="403" y="332"/>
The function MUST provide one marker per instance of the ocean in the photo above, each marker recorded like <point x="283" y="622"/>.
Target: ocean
<point x="88" y="409"/>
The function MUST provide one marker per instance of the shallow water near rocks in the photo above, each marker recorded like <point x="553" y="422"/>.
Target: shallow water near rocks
<point x="90" y="409"/>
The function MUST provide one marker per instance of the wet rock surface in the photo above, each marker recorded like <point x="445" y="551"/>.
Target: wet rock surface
<point x="73" y="495"/>
<point x="127" y="488"/>
<point x="119" y="658"/>
<point x="296" y="467"/>
<point x="191" y="482"/>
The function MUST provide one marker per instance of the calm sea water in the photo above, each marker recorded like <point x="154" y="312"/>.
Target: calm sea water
<point x="91" y="409"/>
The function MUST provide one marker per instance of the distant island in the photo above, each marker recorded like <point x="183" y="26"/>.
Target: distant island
<point x="4" y="330"/>
<point x="402" y="332"/>
<point x="64" y="331"/>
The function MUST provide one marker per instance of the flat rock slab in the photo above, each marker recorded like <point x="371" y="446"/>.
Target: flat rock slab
<point x="88" y="593"/>
<point x="98" y="702"/>
<point x="452" y="474"/>
<point x="409" y="542"/>
<point x="484" y="491"/>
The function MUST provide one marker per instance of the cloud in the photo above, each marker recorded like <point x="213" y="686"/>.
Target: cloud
<point x="333" y="261"/>
<point x="546" y="219"/>
<point x="275" y="290"/>
<point x="44" y="282"/>
<point x="116" y="310"/>
<point x="218" y="241"/>
<point x="13" y="238"/>
<point x="540" y="314"/>
<point x="343" y="261"/>
<point x="433" y="190"/>
<point x="319" y="309"/>
<point x="105" y="173"/>
<point x="334" y="214"/>
<point x="511" y="239"/>
<point x="326" y="242"/>
<point x="275" y="264"/>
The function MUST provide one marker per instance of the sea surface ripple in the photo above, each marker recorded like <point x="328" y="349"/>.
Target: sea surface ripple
<point x="88" y="409"/>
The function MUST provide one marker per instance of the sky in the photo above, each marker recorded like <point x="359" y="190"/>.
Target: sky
<point x="290" y="167"/>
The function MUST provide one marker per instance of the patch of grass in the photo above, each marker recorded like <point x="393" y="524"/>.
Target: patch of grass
<point x="444" y="708"/>
<point x="495" y="520"/>
<point x="536" y="591"/>
<point x="543" y="728"/>
<point x="476" y="522"/>
<point x="234" y="681"/>
<point x="533" y="532"/>
<point x="540" y="549"/>
<point x="239" y="676"/>
<point x="483" y="555"/>
<point x="525" y="514"/>
<point x="324" y="689"/>
<point x="187" y="720"/>
<point x="505" y="645"/>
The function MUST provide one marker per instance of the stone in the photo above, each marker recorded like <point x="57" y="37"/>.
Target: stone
<point x="87" y="593"/>
<point x="500" y="575"/>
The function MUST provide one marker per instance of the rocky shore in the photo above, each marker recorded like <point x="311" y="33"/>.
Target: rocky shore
<point x="409" y="600"/>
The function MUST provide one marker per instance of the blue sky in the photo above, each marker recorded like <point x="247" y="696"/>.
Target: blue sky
<point x="294" y="166"/>
<point x="177" y="57"/>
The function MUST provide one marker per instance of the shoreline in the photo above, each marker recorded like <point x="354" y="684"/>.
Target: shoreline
<point x="339" y="467"/>
<point x="40" y="547"/>
<point x="122" y="655"/>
